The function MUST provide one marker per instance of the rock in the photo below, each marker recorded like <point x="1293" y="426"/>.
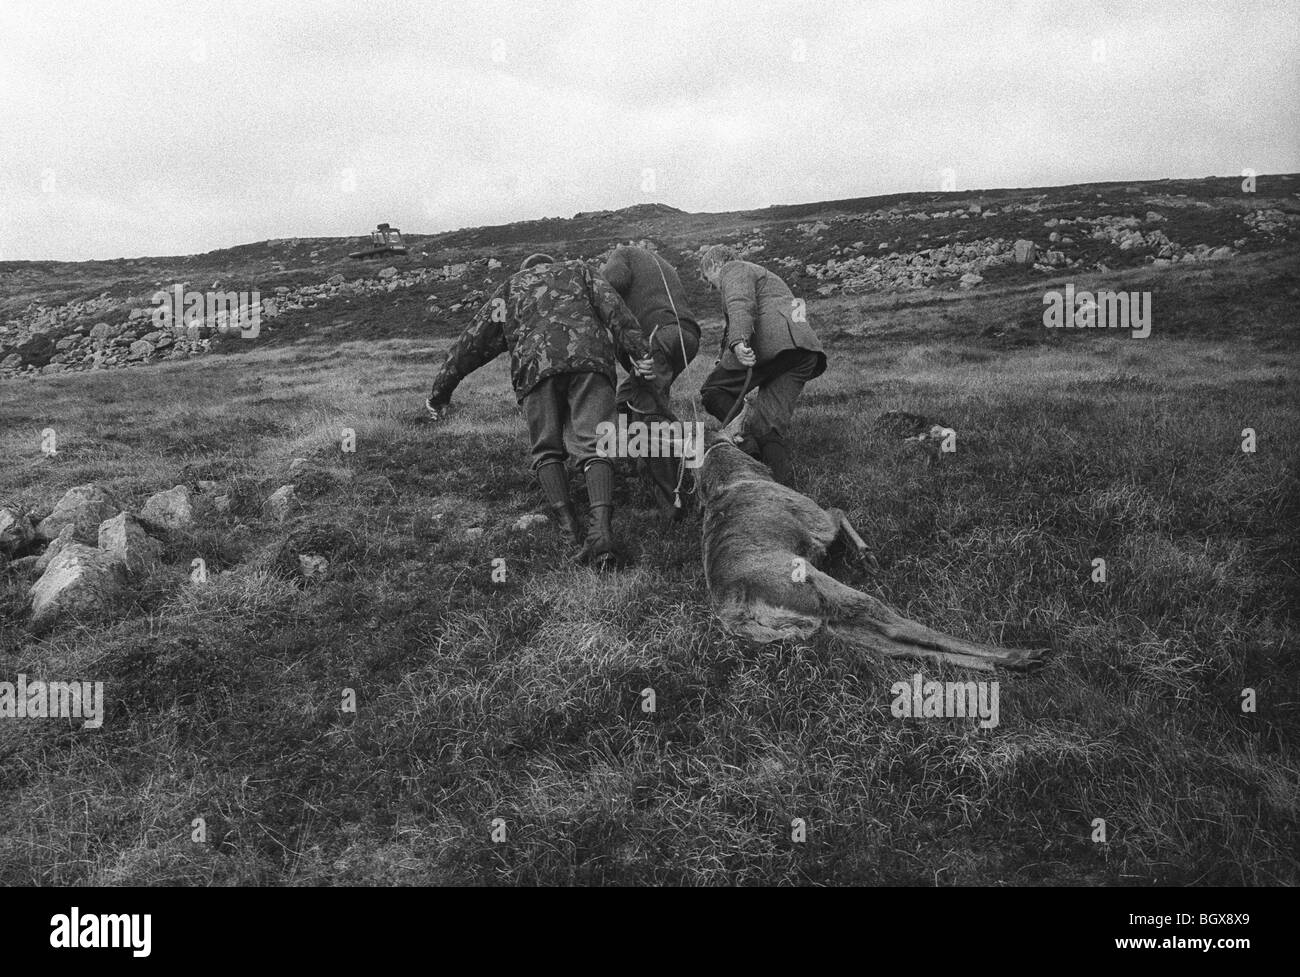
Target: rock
<point x="172" y="509"/>
<point x="140" y="313"/>
<point x="1219" y="254"/>
<point x="124" y="539"/>
<point x="17" y="531"/>
<point x="141" y="349"/>
<point x="474" y="532"/>
<point x="387" y="273"/>
<point x="221" y="503"/>
<point x="12" y="361"/>
<point x="1025" y="251"/>
<point x="493" y="264"/>
<point x="970" y="280"/>
<point x="335" y="280"/>
<point x="83" y="507"/>
<point x="100" y="330"/>
<point x="281" y="503"/>
<point x="313" y="567"/>
<point x="525" y="523"/>
<point x="56" y="545"/>
<point x="79" y="580"/>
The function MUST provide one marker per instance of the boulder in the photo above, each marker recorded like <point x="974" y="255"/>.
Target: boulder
<point x="100" y="330"/>
<point x="281" y="503"/>
<point x="123" y="538"/>
<point x="387" y="273"/>
<point x="63" y="539"/>
<point x="1025" y="251"/>
<point x="140" y="349"/>
<point x="172" y="509"/>
<point x="17" y="531"/>
<point x="334" y="280"/>
<point x="79" y="580"/>
<point x="313" y="567"/>
<point x="83" y="507"/>
<point x="970" y="279"/>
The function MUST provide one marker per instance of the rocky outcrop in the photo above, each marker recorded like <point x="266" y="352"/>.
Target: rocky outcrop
<point x="281" y="504"/>
<point x="79" y="581"/>
<point x="172" y="509"/>
<point x="124" y="539"/>
<point x="83" y="507"/>
<point x="17" y="532"/>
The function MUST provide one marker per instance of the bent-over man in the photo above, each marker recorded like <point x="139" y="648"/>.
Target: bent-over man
<point x="653" y="291"/>
<point x="564" y="327"/>
<point x="766" y="331"/>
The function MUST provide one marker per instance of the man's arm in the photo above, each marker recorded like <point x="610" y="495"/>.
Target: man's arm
<point x="483" y="340"/>
<point x="615" y="314"/>
<point x="739" y="302"/>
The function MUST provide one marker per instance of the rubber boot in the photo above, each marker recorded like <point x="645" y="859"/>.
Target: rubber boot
<point x="555" y="485"/>
<point x="598" y="550"/>
<point x="775" y="458"/>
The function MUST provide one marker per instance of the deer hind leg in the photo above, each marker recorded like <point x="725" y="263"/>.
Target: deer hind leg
<point x="876" y="627"/>
<point x="844" y="530"/>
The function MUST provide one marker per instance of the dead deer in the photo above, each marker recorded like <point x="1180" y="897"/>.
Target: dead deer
<point x="761" y="541"/>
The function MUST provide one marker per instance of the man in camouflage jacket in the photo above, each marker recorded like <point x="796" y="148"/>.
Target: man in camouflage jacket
<point x="564" y="327"/>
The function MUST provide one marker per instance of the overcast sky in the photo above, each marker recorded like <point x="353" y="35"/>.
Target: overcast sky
<point x="135" y="127"/>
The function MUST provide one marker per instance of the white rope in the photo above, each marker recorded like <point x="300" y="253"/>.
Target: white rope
<point x="681" y="468"/>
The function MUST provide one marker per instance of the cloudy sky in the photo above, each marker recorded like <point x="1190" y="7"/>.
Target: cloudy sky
<point x="136" y="127"/>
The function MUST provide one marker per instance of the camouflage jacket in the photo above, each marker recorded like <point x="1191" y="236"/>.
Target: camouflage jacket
<point x="558" y="318"/>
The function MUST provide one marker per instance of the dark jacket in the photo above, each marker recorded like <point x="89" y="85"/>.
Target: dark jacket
<point x="761" y="310"/>
<point x="635" y="275"/>
<point x="558" y="318"/>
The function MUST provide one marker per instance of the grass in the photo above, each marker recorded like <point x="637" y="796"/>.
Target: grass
<point x="522" y="700"/>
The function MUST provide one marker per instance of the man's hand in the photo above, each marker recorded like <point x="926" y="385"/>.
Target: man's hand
<point x="436" y="411"/>
<point x="744" y="354"/>
<point x="645" y="367"/>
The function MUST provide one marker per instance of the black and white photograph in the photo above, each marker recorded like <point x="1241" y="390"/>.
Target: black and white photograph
<point x="661" y="444"/>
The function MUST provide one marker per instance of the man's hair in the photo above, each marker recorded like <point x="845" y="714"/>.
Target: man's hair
<point x="536" y="259"/>
<point x="716" y="257"/>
